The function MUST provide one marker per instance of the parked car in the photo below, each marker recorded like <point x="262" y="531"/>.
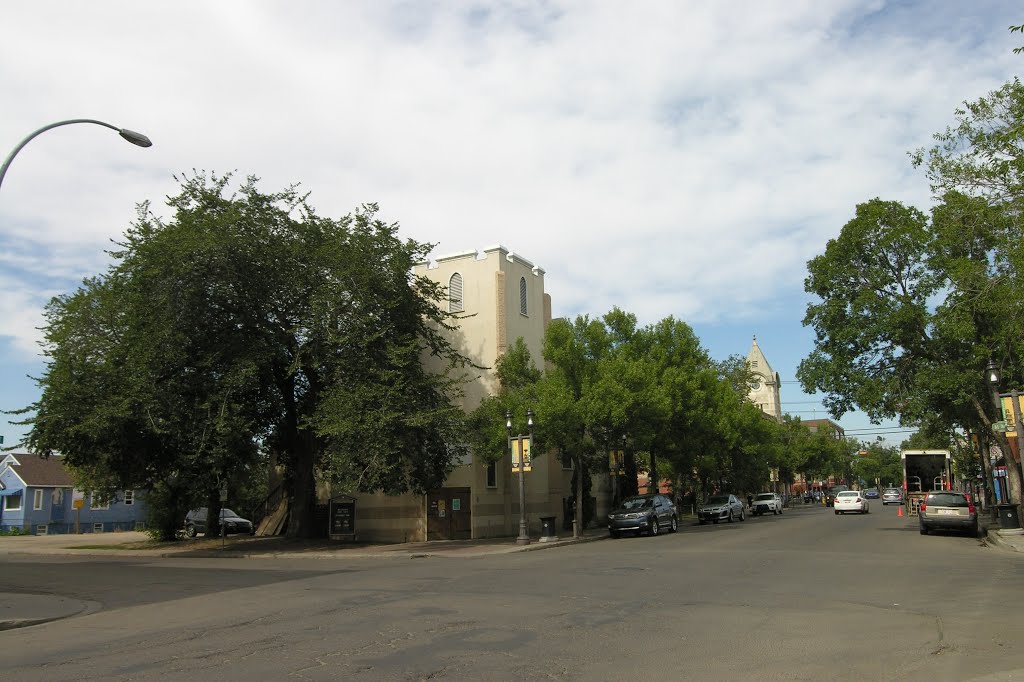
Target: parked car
<point x="195" y="523"/>
<point x="892" y="496"/>
<point x="830" y="496"/>
<point x="871" y="493"/>
<point x="947" y="510"/>
<point x="765" y="503"/>
<point x="850" y="501"/>
<point x="643" y="514"/>
<point x="721" y="508"/>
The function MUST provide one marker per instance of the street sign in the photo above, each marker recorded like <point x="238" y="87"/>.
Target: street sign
<point x="224" y="491"/>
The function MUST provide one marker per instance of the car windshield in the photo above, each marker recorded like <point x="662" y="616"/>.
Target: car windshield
<point x="892" y="491"/>
<point x="718" y="499"/>
<point x="227" y="512"/>
<point x="637" y="503"/>
<point x="765" y="496"/>
<point x="946" y="500"/>
<point x="848" y="493"/>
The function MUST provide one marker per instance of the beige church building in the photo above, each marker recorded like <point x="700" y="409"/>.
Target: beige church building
<point x="764" y="384"/>
<point x="500" y="297"/>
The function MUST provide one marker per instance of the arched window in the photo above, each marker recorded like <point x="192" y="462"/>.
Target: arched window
<point x="455" y="303"/>
<point x="522" y="296"/>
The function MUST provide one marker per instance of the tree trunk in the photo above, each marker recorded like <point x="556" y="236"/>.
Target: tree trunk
<point x="652" y="481"/>
<point x="578" y="526"/>
<point x="300" y="522"/>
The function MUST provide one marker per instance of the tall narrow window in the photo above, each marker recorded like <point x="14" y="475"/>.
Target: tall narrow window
<point x="129" y="497"/>
<point x="522" y="296"/>
<point x="455" y="304"/>
<point x="37" y="499"/>
<point x="492" y="475"/>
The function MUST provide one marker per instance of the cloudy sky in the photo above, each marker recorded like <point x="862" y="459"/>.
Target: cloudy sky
<point x="670" y="158"/>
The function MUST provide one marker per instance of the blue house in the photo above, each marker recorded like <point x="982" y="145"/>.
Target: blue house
<point x="37" y="496"/>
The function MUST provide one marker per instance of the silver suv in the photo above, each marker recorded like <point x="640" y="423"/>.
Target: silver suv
<point x="892" y="496"/>
<point x="765" y="503"/>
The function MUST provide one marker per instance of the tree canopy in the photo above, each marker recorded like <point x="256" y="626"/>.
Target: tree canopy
<point x="248" y="325"/>
<point x="910" y="308"/>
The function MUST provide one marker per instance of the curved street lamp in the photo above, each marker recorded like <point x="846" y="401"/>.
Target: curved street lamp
<point x="135" y="138"/>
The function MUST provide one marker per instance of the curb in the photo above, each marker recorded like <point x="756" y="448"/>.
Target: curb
<point x="397" y="554"/>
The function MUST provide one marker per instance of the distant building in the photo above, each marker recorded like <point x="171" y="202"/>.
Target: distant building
<point x="764" y="385"/>
<point x="37" y="497"/>
<point x="815" y="425"/>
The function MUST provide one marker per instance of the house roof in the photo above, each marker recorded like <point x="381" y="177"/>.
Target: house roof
<point x="41" y="472"/>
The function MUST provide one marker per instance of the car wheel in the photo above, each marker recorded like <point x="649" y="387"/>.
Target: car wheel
<point x="836" y="512"/>
<point x="743" y="515"/>
<point x="674" y="526"/>
<point x="976" y="531"/>
<point x="924" y="531"/>
<point x="190" y="531"/>
<point x="730" y="516"/>
<point x="654" y="528"/>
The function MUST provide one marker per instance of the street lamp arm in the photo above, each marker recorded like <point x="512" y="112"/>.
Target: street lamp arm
<point x="135" y="138"/>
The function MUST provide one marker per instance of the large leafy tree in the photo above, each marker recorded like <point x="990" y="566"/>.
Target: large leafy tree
<point x="912" y="309"/>
<point x="248" y="323"/>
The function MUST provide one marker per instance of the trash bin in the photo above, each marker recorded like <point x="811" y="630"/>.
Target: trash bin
<point x="547" y="529"/>
<point x="1008" y="516"/>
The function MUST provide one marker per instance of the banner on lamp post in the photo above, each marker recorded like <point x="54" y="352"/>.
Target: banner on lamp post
<point x="521" y="453"/>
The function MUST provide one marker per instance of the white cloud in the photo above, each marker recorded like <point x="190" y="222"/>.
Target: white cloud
<point x="681" y="146"/>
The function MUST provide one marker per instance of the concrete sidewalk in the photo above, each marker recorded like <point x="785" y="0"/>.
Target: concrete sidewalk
<point x="135" y="544"/>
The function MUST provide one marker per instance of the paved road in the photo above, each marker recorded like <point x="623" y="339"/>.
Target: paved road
<point x="803" y="596"/>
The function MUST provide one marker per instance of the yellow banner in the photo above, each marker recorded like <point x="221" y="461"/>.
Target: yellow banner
<point x="521" y="452"/>
<point x="1008" y="415"/>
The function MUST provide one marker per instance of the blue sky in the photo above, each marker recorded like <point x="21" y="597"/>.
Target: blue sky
<point x="670" y="158"/>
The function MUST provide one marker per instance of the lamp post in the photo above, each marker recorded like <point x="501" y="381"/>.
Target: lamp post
<point x="135" y="138"/>
<point x="524" y="537"/>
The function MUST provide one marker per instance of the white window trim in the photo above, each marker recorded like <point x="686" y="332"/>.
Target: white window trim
<point x="129" y="497"/>
<point x="94" y="504"/>
<point x="21" y="502"/>
<point x="37" y="499"/>
<point x="97" y="528"/>
<point x="42" y="529"/>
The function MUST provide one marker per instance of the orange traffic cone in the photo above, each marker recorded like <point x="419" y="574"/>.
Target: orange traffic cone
<point x="900" y="512"/>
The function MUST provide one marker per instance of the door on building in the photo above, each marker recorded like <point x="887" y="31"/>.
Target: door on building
<point x="448" y="515"/>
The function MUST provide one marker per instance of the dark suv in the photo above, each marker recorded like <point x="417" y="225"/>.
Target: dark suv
<point x="830" y="498"/>
<point x="195" y="522"/>
<point x="643" y="514"/>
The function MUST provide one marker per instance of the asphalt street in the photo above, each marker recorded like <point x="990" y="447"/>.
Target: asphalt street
<point x="803" y="596"/>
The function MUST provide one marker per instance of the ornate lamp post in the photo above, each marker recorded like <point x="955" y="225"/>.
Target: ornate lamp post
<point x="524" y="537"/>
<point x="135" y="138"/>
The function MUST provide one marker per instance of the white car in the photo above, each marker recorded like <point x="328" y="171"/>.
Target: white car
<point x="851" y="501"/>
<point x="765" y="503"/>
